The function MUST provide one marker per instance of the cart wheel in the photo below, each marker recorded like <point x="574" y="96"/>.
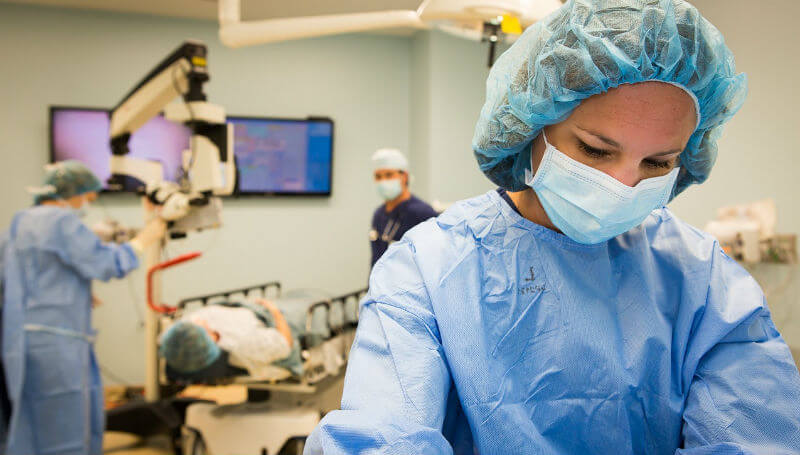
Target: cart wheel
<point x="199" y="447"/>
<point x="293" y="446"/>
<point x="193" y="443"/>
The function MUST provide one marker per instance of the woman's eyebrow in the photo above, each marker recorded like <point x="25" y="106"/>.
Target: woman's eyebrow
<point x="608" y="141"/>
<point x="668" y="152"/>
<point x="614" y="143"/>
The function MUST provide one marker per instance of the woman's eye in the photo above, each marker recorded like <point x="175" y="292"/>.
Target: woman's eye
<point x="592" y="151"/>
<point x="659" y="164"/>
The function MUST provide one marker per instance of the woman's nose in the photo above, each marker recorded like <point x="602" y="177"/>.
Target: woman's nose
<point x="626" y="173"/>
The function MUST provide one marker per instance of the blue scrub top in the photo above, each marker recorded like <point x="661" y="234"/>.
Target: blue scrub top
<point x="388" y="227"/>
<point x="654" y="342"/>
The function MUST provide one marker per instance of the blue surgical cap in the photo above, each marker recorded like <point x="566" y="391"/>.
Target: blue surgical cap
<point x="64" y="180"/>
<point x="188" y="348"/>
<point x="590" y="46"/>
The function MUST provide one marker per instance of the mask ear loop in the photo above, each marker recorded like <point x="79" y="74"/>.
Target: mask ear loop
<point x="530" y="174"/>
<point x="546" y="143"/>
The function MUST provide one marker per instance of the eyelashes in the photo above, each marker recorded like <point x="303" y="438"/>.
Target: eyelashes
<point x="660" y="164"/>
<point x="592" y="152"/>
<point x="596" y="153"/>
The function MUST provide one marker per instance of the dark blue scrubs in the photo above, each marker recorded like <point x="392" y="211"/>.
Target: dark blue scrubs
<point x="388" y="227"/>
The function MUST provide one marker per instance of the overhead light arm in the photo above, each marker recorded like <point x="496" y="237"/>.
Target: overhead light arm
<point x="478" y="20"/>
<point x="235" y="33"/>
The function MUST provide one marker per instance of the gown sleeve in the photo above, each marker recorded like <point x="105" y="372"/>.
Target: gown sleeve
<point x="397" y="380"/>
<point x="79" y="247"/>
<point x="744" y="395"/>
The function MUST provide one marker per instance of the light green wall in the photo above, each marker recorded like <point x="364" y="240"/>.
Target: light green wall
<point x="419" y="157"/>
<point x="458" y="80"/>
<point x="448" y="86"/>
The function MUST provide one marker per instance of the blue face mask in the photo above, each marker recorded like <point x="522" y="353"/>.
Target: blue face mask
<point x="82" y="211"/>
<point x="590" y="206"/>
<point x="389" y="189"/>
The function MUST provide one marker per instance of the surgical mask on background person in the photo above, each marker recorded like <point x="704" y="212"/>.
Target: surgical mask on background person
<point x="389" y="189"/>
<point x="590" y="206"/>
<point x="82" y="211"/>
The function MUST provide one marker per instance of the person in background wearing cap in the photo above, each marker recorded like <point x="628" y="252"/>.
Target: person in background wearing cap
<point x="402" y="210"/>
<point x="49" y="259"/>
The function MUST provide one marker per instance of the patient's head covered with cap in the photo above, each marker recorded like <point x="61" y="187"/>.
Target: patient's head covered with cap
<point x="188" y="347"/>
<point x="633" y="89"/>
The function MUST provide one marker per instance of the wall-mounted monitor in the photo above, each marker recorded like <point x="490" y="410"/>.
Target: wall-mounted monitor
<point x="82" y="134"/>
<point x="274" y="156"/>
<point x="283" y="156"/>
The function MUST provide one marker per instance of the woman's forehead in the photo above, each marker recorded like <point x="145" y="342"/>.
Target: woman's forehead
<point x="648" y="114"/>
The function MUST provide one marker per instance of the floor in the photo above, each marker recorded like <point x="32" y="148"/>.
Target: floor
<point x="125" y="444"/>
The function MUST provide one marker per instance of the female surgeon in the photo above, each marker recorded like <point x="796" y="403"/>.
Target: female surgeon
<point x="50" y="259"/>
<point x="569" y="312"/>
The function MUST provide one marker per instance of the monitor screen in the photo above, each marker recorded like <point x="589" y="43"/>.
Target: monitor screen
<point x="82" y="134"/>
<point x="275" y="156"/>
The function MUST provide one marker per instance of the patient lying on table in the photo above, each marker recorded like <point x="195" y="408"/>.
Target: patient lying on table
<point x="250" y="336"/>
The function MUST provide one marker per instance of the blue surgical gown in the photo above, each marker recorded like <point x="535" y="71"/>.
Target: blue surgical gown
<point x="652" y="343"/>
<point x="51" y="373"/>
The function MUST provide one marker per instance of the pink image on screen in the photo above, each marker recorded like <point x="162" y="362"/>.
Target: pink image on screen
<point x="82" y="134"/>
